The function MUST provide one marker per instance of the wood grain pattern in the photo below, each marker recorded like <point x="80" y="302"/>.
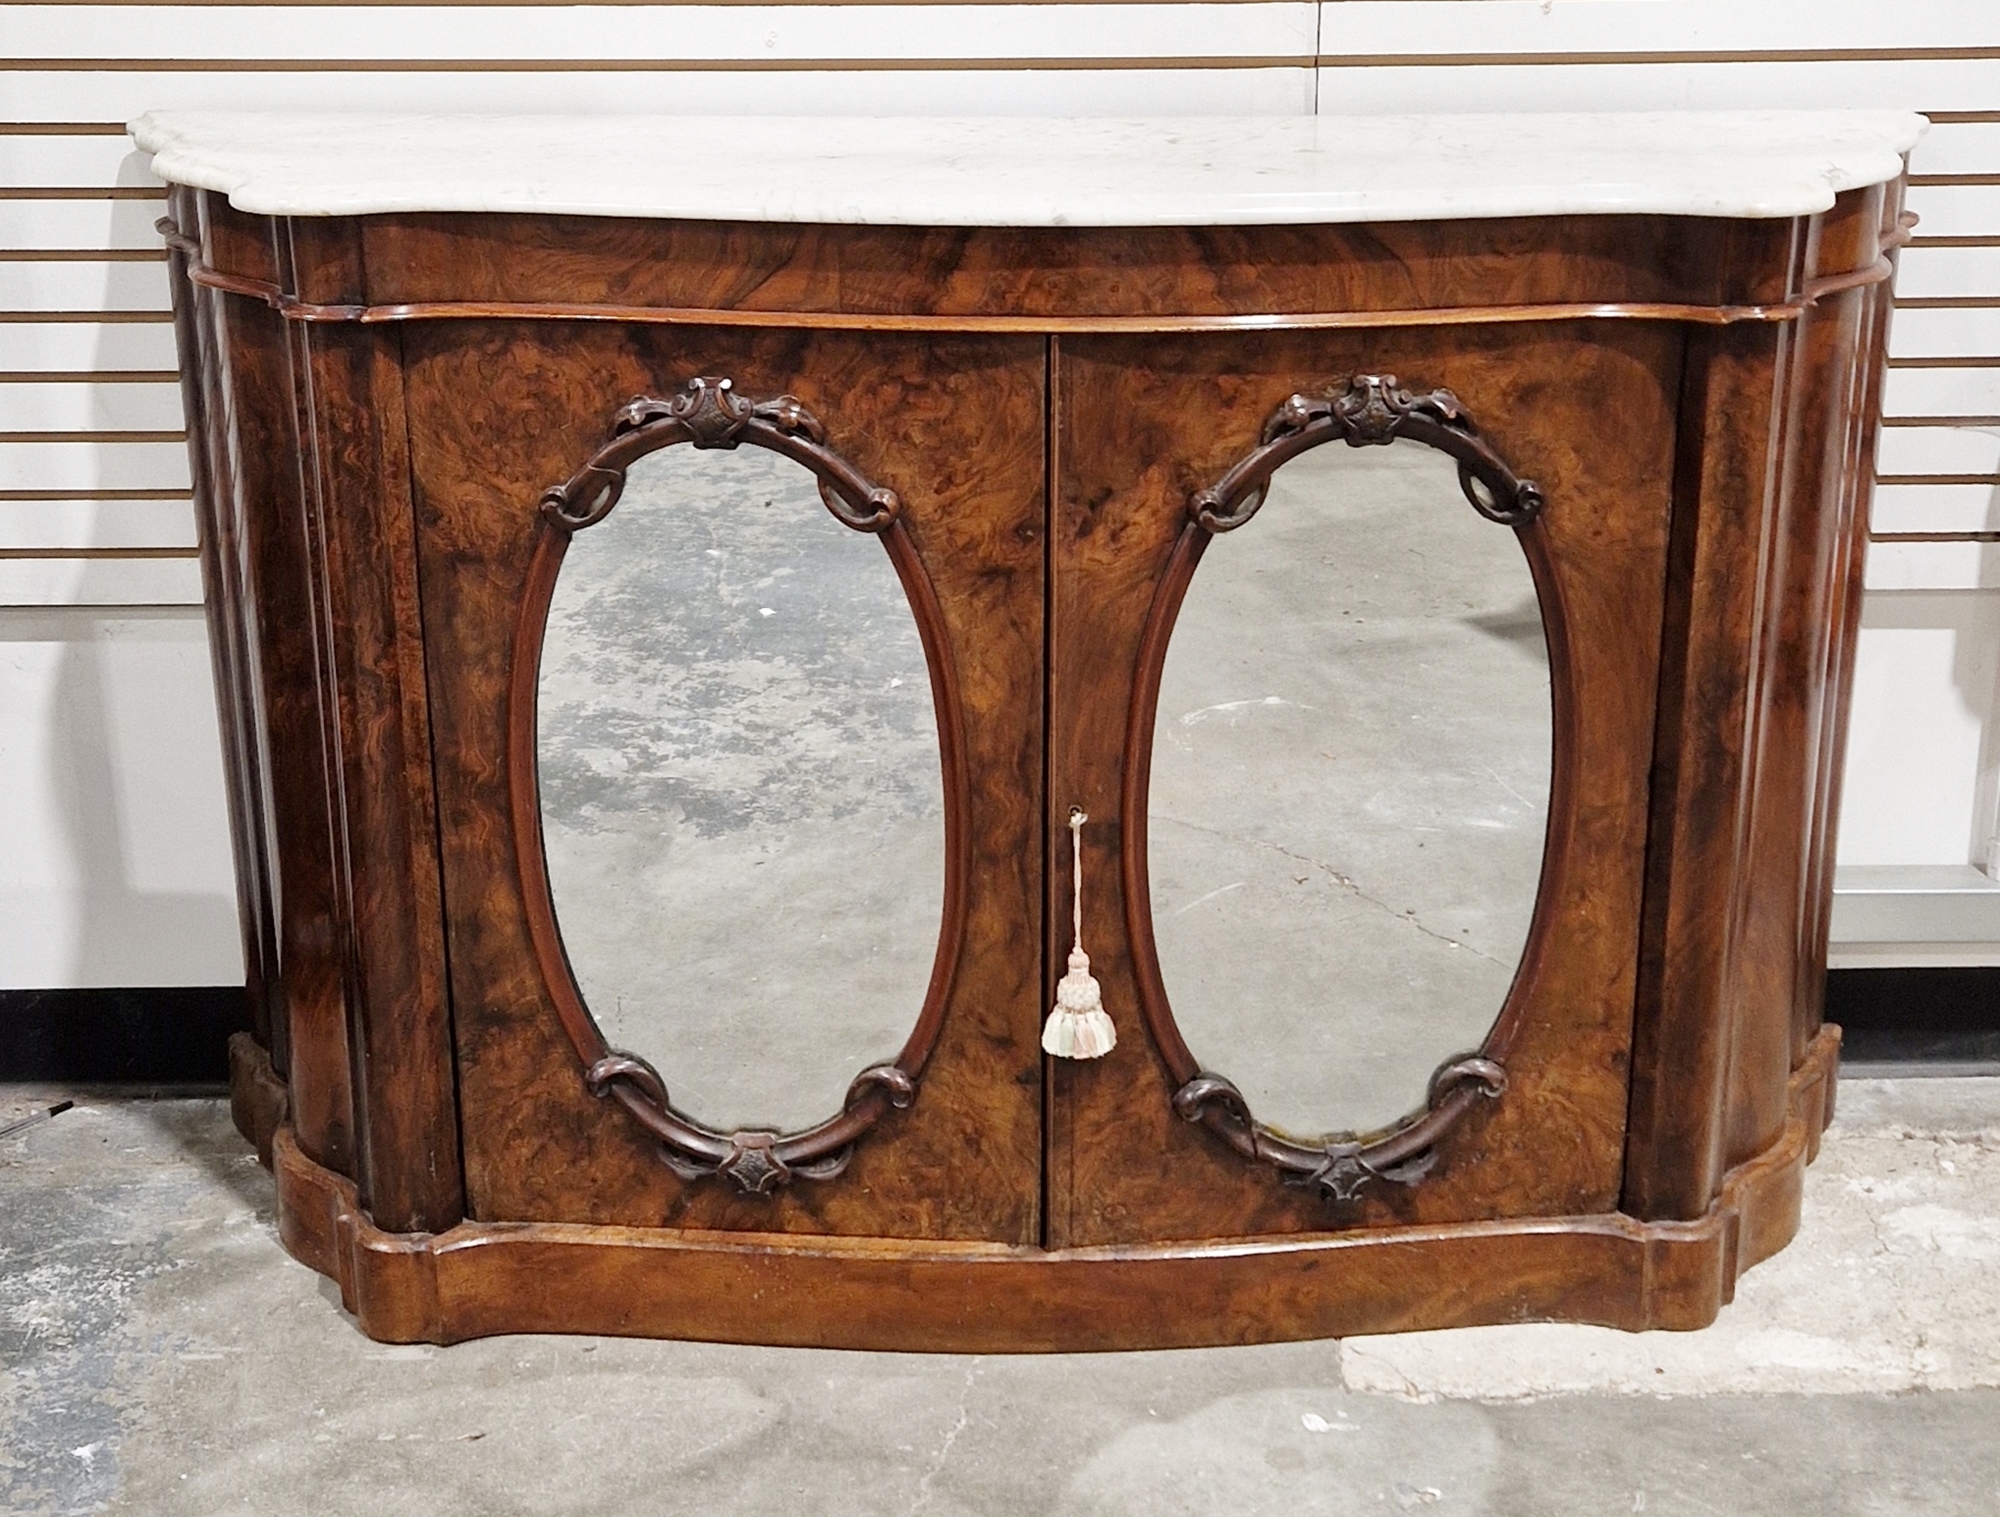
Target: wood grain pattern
<point x="1086" y="271"/>
<point x="1370" y="409"/>
<point x="756" y="1160"/>
<point x="386" y="844"/>
<point x="1799" y="560"/>
<point x="482" y="1279"/>
<point x="1854" y="472"/>
<point x="1588" y="414"/>
<point x="1703" y="468"/>
<point x="206" y="404"/>
<point x="955" y="428"/>
<point x="1766" y="533"/>
<point x="285" y="627"/>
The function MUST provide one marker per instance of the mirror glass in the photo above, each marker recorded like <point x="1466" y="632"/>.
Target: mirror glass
<point x="1349" y="788"/>
<point x="742" y="798"/>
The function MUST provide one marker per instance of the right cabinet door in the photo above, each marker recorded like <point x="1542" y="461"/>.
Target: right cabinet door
<point x="1354" y="647"/>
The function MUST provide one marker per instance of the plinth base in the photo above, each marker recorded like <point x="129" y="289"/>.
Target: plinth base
<point x="484" y="1278"/>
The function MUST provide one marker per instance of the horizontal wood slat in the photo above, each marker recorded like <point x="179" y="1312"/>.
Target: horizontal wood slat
<point x="29" y="497"/>
<point x="82" y="288"/>
<point x="72" y="581"/>
<point x="82" y="192"/>
<point x="161" y="38"/>
<point x="1093" y="91"/>
<point x="95" y="435"/>
<point x="97" y="555"/>
<point x="1943" y="391"/>
<point x="92" y="376"/>
<point x="107" y="526"/>
<point x="62" y="129"/>
<point x="1934" y="508"/>
<point x="83" y="255"/>
<point x="675" y="62"/>
<point x="31" y="406"/>
<point x="1969" y="478"/>
<point x="1711" y="57"/>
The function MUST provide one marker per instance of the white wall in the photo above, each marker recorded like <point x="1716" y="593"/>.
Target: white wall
<point x="113" y="854"/>
<point x="116" y="869"/>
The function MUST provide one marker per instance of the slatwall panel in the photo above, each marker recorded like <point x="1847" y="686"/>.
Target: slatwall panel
<point x="1922" y="794"/>
<point x="93" y="476"/>
<point x="93" y="484"/>
<point x="113" y="851"/>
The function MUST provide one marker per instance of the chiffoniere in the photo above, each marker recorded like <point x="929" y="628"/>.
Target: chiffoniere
<point x="732" y="635"/>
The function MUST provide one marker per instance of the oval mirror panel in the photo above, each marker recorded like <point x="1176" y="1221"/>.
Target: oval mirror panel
<point x="1349" y="789"/>
<point x="741" y="787"/>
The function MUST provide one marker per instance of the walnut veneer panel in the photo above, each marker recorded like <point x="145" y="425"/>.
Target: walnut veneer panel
<point x="1068" y="271"/>
<point x="1587" y="411"/>
<point x="376" y="405"/>
<point x="499" y="412"/>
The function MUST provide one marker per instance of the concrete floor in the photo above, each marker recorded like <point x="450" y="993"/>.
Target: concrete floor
<point x="159" y="1354"/>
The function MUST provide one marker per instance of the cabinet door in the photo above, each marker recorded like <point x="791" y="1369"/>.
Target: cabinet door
<point x="752" y="669"/>
<point x="1364" y="735"/>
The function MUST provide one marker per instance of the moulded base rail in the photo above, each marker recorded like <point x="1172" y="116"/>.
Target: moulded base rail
<point x="483" y="1278"/>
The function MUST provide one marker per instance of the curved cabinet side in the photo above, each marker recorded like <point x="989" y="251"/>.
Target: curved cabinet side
<point x="1763" y="606"/>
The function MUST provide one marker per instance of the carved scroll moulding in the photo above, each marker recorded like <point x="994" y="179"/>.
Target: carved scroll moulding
<point x="1347" y="800"/>
<point x="737" y="724"/>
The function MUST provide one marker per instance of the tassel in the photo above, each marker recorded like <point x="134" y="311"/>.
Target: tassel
<point x="1078" y="1027"/>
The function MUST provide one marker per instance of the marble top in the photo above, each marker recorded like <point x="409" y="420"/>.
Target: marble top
<point x="1028" y="171"/>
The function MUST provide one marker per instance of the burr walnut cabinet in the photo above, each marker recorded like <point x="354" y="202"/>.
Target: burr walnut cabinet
<point x="1036" y="400"/>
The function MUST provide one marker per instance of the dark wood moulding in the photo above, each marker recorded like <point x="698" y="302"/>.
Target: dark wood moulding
<point x="477" y="1280"/>
<point x="377" y="406"/>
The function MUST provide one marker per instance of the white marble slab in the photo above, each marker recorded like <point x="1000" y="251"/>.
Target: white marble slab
<point x="996" y="171"/>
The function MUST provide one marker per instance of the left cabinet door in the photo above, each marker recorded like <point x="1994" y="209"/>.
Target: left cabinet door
<point x="737" y="707"/>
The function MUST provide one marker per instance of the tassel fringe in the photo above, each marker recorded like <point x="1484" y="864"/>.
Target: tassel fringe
<point x="1078" y="1027"/>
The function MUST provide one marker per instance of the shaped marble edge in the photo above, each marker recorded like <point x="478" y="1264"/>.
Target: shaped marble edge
<point x="1034" y="171"/>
